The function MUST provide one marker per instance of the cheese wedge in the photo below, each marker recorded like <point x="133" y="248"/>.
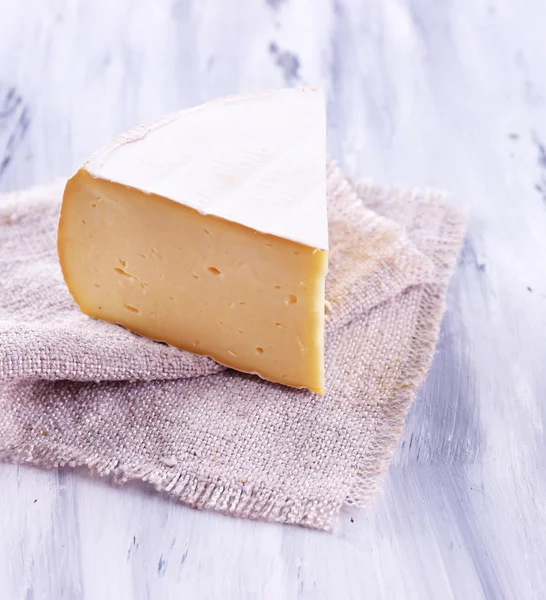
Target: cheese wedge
<point x="207" y="230"/>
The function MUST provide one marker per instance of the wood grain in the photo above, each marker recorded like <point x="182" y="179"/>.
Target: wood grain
<point x="445" y="94"/>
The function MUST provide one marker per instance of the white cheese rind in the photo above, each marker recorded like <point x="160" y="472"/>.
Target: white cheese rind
<point x="255" y="159"/>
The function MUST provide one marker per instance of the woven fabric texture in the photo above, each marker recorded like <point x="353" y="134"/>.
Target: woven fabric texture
<point x="76" y="391"/>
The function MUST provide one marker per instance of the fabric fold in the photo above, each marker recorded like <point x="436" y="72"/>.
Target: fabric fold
<point x="44" y="335"/>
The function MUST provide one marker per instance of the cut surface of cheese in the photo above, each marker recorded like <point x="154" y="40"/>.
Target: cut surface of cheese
<point x="207" y="230"/>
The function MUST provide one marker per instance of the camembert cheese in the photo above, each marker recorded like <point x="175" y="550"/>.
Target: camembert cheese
<point x="207" y="230"/>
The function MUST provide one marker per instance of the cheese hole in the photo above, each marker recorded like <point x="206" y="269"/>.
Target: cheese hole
<point x="196" y="343"/>
<point x="144" y="285"/>
<point x="292" y="299"/>
<point x="269" y="244"/>
<point x="122" y="262"/>
<point x="122" y="272"/>
<point x="143" y="255"/>
<point x="195" y="276"/>
<point x="171" y="298"/>
<point x="259" y="350"/>
<point x="232" y="353"/>
<point x="214" y="271"/>
<point x="278" y="325"/>
<point x="97" y="285"/>
<point x="93" y="205"/>
<point x="277" y="287"/>
<point x="241" y="303"/>
<point x="132" y="309"/>
<point x="206" y="231"/>
<point x="84" y="222"/>
<point x="296" y="252"/>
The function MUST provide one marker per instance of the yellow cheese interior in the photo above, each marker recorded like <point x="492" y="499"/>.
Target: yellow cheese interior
<point x="251" y="301"/>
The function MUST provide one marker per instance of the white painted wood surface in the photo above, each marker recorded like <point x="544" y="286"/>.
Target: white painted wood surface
<point x="448" y="94"/>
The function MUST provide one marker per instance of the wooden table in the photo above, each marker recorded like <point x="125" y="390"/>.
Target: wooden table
<point x="420" y="92"/>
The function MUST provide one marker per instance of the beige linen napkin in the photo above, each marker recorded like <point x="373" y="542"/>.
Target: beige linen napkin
<point x="80" y="392"/>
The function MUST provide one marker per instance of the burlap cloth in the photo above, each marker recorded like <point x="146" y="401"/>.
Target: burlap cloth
<point x="79" y="392"/>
